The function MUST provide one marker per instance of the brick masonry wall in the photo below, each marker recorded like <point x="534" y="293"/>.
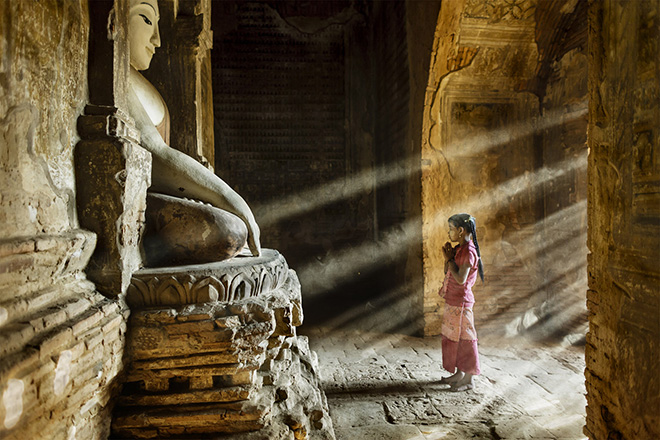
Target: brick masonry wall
<point x="61" y="342"/>
<point x="623" y="343"/>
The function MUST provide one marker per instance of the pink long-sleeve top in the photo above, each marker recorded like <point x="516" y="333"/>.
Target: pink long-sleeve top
<point x="461" y="294"/>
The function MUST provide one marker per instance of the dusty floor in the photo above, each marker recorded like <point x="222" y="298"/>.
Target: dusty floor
<point x="385" y="387"/>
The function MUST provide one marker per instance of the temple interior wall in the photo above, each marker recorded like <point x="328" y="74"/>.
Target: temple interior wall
<point x="505" y="140"/>
<point x="561" y="235"/>
<point x="336" y="189"/>
<point x="289" y="83"/>
<point x="623" y="220"/>
<point x="382" y="101"/>
<point x="61" y="342"/>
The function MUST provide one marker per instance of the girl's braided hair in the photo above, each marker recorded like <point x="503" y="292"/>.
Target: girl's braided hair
<point x="468" y="222"/>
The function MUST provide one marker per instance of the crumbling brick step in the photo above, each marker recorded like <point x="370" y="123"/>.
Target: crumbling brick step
<point x="207" y="370"/>
<point x="154" y="341"/>
<point x="184" y="419"/>
<point x="186" y="361"/>
<point x="231" y="394"/>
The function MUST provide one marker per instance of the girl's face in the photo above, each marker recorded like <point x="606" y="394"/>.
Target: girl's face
<point x="454" y="232"/>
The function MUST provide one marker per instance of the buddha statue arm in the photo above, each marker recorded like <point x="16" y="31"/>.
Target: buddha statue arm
<point x="177" y="174"/>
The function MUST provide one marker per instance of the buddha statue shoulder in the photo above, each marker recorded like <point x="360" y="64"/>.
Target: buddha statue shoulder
<point x="192" y="216"/>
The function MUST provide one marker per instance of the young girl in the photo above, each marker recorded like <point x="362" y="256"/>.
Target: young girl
<point x="459" y="338"/>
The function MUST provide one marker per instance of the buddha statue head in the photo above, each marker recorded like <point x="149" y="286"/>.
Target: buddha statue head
<point x="143" y="33"/>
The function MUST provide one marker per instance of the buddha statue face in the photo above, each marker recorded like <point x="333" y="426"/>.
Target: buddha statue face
<point x="143" y="34"/>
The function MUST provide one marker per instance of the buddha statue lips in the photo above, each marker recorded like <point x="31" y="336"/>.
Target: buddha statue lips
<point x="179" y="231"/>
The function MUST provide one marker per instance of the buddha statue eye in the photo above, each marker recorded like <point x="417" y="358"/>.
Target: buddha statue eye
<point x="146" y="20"/>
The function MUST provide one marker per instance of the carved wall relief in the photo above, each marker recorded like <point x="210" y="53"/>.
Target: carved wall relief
<point x="474" y="162"/>
<point x="646" y="160"/>
<point x="501" y="10"/>
<point x="481" y="159"/>
<point x="624" y="220"/>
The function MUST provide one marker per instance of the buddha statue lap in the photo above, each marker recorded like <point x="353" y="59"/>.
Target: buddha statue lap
<point x="192" y="215"/>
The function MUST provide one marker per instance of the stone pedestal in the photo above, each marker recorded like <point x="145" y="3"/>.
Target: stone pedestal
<point x="212" y="349"/>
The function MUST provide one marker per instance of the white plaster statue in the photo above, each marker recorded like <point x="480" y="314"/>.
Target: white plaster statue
<point x="175" y="173"/>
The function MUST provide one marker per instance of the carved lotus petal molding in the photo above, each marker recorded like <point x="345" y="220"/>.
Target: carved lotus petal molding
<point x="233" y="280"/>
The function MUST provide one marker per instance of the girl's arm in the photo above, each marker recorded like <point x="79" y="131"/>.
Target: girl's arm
<point x="460" y="273"/>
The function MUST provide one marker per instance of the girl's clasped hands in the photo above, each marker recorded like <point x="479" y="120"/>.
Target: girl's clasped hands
<point x="448" y="251"/>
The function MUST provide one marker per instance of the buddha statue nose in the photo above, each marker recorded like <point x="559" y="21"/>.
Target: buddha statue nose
<point x="155" y="38"/>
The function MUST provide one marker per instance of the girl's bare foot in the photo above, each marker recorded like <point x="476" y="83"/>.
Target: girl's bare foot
<point x="451" y="380"/>
<point x="464" y="384"/>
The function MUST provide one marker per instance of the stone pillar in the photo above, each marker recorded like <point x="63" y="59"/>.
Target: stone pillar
<point x="623" y="342"/>
<point x="113" y="173"/>
<point x="112" y="170"/>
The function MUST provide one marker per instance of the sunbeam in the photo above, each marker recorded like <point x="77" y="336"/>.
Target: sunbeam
<point x="501" y="194"/>
<point x="372" y="178"/>
<point x="324" y="275"/>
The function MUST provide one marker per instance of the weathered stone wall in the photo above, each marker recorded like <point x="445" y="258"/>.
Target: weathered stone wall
<point x="623" y="343"/>
<point x="60" y="340"/>
<point x="391" y="95"/>
<point x="402" y="33"/>
<point x="280" y="109"/>
<point x="420" y="28"/>
<point x="478" y="155"/>
<point x="556" y="306"/>
<point x="504" y="139"/>
<point x="44" y="56"/>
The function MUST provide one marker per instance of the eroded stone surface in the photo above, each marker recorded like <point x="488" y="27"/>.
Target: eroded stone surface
<point x="113" y="173"/>
<point x="623" y="342"/>
<point x="230" y="365"/>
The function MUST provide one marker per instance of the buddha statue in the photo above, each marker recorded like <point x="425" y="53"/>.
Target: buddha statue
<point x="192" y="215"/>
